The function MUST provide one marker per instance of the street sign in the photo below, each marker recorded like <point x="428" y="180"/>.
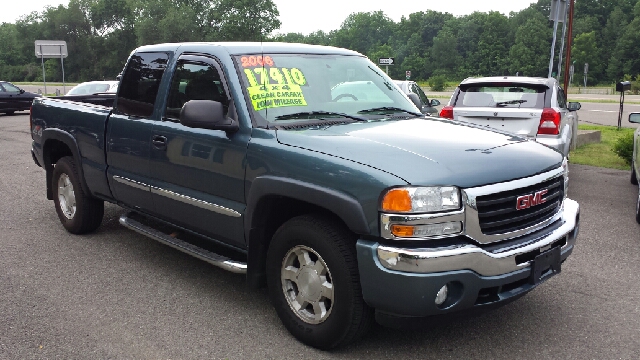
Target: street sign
<point x="386" y="61"/>
<point x="558" y="10"/>
<point x="586" y="68"/>
<point x="408" y="73"/>
<point x="51" y="49"/>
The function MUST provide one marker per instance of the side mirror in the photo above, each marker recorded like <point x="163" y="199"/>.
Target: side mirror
<point x="574" y="106"/>
<point x="634" y="117"/>
<point x="435" y="102"/>
<point x="119" y="77"/>
<point x="21" y="91"/>
<point x="206" y="114"/>
<point x="415" y="100"/>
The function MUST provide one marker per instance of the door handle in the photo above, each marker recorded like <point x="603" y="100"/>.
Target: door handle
<point x="159" y="142"/>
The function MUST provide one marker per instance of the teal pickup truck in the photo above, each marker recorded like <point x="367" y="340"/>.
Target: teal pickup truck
<point x="307" y="169"/>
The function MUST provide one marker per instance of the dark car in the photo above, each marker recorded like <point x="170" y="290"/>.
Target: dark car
<point x="422" y="102"/>
<point x="13" y="99"/>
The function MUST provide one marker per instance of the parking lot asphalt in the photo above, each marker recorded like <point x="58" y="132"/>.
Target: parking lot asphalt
<point x="117" y="294"/>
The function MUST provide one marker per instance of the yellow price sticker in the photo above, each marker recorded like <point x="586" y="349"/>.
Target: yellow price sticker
<point x="272" y="96"/>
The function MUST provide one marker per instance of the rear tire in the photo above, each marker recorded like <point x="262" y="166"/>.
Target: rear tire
<point x="78" y="212"/>
<point x="634" y="178"/>
<point x="9" y="112"/>
<point x="314" y="284"/>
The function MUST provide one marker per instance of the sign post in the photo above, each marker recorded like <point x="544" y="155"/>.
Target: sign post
<point x="558" y="14"/>
<point x="51" y="49"/>
<point x="386" y="62"/>
<point x="586" y="70"/>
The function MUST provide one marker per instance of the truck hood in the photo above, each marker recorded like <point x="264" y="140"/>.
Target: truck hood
<point x="429" y="151"/>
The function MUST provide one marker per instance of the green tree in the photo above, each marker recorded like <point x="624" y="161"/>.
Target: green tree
<point x="585" y="50"/>
<point x="493" y="46"/>
<point x="532" y="39"/>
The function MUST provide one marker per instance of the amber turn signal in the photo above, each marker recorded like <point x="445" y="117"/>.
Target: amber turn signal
<point x="397" y="200"/>
<point x="402" y="230"/>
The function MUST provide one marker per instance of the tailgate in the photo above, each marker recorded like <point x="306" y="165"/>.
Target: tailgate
<point x="523" y="122"/>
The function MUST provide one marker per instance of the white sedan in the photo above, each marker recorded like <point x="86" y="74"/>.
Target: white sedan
<point x="535" y="108"/>
<point x="94" y="87"/>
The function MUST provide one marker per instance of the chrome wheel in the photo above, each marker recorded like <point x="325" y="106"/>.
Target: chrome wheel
<point x="66" y="196"/>
<point x="307" y="284"/>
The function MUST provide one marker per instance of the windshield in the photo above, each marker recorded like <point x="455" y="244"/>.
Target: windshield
<point x="286" y="87"/>
<point x="503" y="95"/>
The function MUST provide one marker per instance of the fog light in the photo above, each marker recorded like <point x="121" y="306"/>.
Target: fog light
<point x="442" y="295"/>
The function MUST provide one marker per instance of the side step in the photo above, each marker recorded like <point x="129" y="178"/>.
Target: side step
<point x="202" y="254"/>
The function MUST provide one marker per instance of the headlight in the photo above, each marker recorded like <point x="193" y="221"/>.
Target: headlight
<point x="421" y="199"/>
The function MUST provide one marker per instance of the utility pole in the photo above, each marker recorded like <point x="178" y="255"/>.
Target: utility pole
<point x="569" y="42"/>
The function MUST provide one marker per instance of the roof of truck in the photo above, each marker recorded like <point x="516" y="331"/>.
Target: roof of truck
<point x="241" y="48"/>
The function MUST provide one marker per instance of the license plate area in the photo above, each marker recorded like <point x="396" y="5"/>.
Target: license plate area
<point x="545" y="265"/>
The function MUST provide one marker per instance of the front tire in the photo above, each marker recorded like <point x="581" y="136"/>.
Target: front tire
<point x="314" y="284"/>
<point x="634" y="178"/>
<point x="78" y="212"/>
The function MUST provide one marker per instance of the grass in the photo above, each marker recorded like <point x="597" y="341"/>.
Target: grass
<point x="601" y="154"/>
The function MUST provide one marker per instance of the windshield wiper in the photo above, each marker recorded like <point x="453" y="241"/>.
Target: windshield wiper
<point x="303" y="114"/>
<point x="505" y="103"/>
<point x="389" y="108"/>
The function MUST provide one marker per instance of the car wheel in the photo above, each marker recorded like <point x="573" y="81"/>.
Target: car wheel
<point x="9" y="112"/>
<point x="634" y="178"/>
<point x="78" y="212"/>
<point x="314" y="284"/>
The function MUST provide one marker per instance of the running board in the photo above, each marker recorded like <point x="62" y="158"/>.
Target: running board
<point x="202" y="254"/>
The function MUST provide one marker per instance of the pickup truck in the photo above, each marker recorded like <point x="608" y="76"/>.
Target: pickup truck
<point x="257" y="158"/>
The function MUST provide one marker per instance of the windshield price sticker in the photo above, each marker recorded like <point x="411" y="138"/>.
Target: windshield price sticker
<point x="253" y="61"/>
<point x="275" y="87"/>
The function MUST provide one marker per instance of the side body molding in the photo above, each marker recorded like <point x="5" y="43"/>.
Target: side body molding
<point x="70" y="141"/>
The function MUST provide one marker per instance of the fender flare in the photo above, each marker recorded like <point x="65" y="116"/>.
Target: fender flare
<point x="344" y="206"/>
<point x="70" y="141"/>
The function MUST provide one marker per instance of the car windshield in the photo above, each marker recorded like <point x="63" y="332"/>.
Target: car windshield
<point x="286" y="87"/>
<point x="84" y="89"/>
<point x="503" y="95"/>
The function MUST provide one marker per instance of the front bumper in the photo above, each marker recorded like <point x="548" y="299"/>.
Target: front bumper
<point x="404" y="281"/>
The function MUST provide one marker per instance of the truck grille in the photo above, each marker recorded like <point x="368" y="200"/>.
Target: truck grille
<point x="497" y="213"/>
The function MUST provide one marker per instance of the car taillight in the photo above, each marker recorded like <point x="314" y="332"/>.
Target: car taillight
<point x="447" y="112"/>
<point x="549" y="122"/>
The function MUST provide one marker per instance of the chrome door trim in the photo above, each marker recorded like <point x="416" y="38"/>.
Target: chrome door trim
<point x="178" y="197"/>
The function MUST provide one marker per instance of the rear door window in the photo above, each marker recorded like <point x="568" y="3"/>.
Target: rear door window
<point x="140" y="84"/>
<point x="502" y="96"/>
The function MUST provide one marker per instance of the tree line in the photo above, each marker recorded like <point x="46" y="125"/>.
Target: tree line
<point x="101" y="33"/>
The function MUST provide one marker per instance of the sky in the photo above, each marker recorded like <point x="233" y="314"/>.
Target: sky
<point x="306" y="17"/>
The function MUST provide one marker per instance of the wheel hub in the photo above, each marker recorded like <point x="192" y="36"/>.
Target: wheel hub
<point x="307" y="284"/>
<point x="66" y="196"/>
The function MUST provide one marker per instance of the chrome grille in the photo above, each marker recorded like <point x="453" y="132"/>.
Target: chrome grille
<point x="497" y="213"/>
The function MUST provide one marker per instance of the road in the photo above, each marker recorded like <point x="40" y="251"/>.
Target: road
<point x="117" y="294"/>
<point x="606" y="114"/>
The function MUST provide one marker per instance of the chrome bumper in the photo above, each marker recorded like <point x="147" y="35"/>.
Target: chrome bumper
<point x="471" y="257"/>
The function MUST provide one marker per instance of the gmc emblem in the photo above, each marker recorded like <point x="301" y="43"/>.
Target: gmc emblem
<point x="527" y="201"/>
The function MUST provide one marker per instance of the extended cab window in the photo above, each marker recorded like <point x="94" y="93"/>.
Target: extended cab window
<point x="140" y="84"/>
<point x="290" y="87"/>
<point x="194" y="81"/>
<point x="502" y="95"/>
